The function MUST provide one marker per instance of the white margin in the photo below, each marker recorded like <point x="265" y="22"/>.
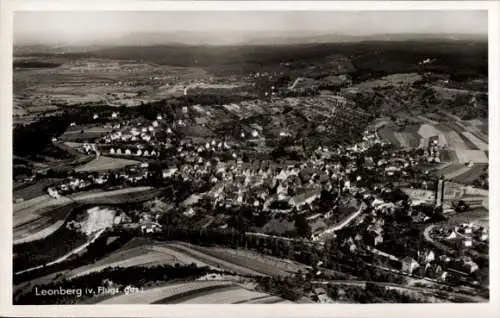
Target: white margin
<point x="492" y="309"/>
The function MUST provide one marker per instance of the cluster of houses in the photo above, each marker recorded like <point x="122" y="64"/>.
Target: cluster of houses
<point x="72" y="185"/>
<point x="468" y="234"/>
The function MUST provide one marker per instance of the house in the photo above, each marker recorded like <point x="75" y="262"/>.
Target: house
<point x="471" y="266"/>
<point x="408" y="264"/>
<point x="305" y="198"/>
<point x="453" y="235"/>
<point x="429" y="256"/>
<point x="128" y="152"/>
<point x="321" y="295"/>
<point x="112" y="151"/>
<point x="467" y="243"/>
<point x="443" y="276"/>
<point x="118" y="151"/>
<point x="374" y="236"/>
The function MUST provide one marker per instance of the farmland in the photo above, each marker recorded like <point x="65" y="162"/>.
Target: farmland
<point x="146" y="253"/>
<point x="103" y="163"/>
<point x="199" y="292"/>
<point x="137" y="253"/>
<point x="84" y="133"/>
<point x="460" y="143"/>
<point x="38" y="188"/>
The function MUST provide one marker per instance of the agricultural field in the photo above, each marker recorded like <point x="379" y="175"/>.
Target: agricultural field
<point x="461" y="173"/>
<point x="476" y="156"/>
<point x="104" y="163"/>
<point x="388" y="81"/>
<point x="146" y="253"/>
<point x="84" y="133"/>
<point x="199" y="292"/>
<point x="480" y="144"/>
<point x="27" y="192"/>
<point x="137" y="253"/>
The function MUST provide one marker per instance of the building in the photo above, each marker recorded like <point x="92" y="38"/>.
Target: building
<point x="409" y="265"/>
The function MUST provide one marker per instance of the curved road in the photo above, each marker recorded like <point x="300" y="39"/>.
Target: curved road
<point x="428" y="238"/>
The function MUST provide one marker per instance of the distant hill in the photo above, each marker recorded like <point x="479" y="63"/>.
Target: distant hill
<point x="26" y="45"/>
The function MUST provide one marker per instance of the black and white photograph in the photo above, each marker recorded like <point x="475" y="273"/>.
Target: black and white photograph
<point x="250" y="157"/>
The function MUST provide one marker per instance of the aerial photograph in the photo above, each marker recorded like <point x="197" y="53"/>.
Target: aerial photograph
<point x="246" y="157"/>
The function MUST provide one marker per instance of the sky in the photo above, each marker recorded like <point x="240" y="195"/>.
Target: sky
<point x="80" y="27"/>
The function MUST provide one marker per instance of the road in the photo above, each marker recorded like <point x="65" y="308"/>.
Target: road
<point x="428" y="238"/>
<point x="339" y="226"/>
<point x="67" y="255"/>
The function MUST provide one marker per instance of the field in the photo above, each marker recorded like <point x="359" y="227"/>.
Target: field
<point x="199" y="292"/>
<point x="476" y="141"/>
<point x="145" y="253"/>
<point x="105" y="163"/>
<point x="36" y="189"/>
<point x="137" y="253"/>
<point x="476" y="156"/>
<point x="84" y="133"/>
<point x="461" y="173"/>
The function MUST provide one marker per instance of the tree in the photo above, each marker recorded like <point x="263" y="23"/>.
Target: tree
<point x="302" y="226"/>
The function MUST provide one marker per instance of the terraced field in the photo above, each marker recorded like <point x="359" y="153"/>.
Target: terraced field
<point x="146" y="253"/>
<point x="461" y="173"/>
<point x="476" y="141"/>
<point x="199" y="292"/>
<point x="471" y="174"/>
<point x="476" y="156"/>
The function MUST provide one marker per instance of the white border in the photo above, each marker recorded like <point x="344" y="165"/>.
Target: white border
<point x="492" y="309"/>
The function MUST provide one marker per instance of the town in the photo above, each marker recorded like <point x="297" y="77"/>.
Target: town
<point x="314" y="175"/>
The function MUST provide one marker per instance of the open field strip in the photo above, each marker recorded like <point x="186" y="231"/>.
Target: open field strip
<point x="476" y="141"/>
<point x="476" y="156"/>
<point x="144" y="260"/>
<point x="449" y="156"/>
<point x="36" y="189"/>
<point x="402" y="138"/>
<point x="148" y="255"/>
<point x="105" y="163"/>
<point x="456" y="173"/>
<point x="33" y="209"/>
<point x="228" y="296"/>
<point x="454" y="140"/>
<point x="472" y="174"/>
<point x="223" y="261"/>
<point x="283" y="266"/>
<point x="67" y="255"/>
<point x="149" y="296"/>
